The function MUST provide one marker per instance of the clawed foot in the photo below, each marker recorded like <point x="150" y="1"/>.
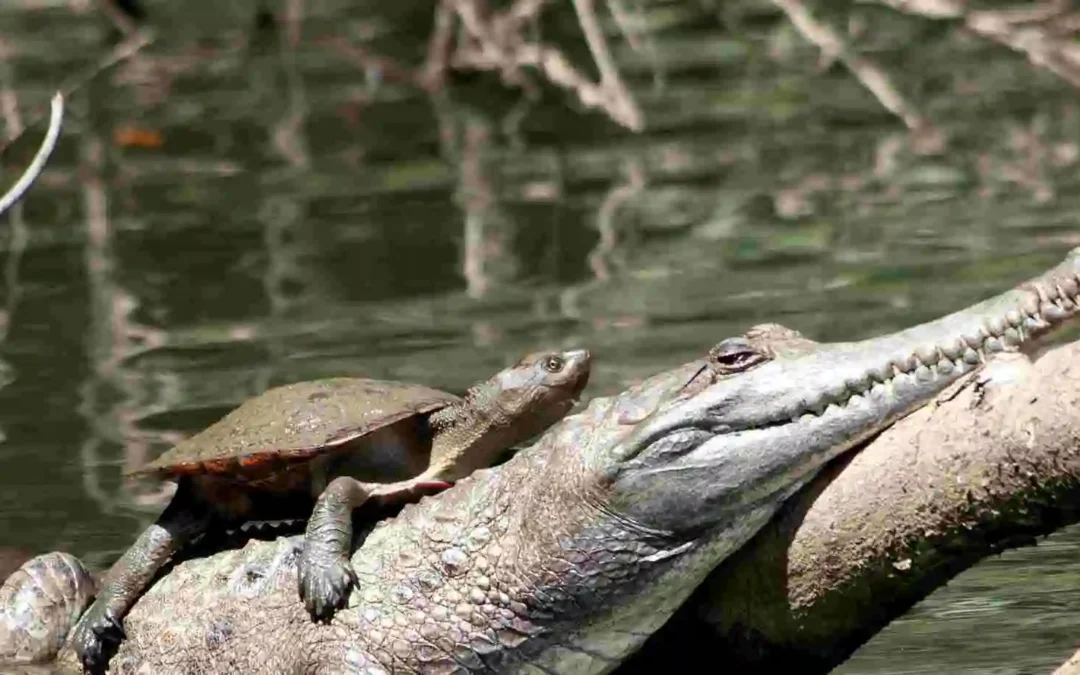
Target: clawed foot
<point x="325" y="584"/>
<point x="100" y="630"/>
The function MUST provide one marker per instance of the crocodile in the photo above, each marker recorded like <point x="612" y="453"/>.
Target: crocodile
<point x="567" y="557"/>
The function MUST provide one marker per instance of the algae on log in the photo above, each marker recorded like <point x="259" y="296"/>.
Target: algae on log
<point x="994" y="463"/>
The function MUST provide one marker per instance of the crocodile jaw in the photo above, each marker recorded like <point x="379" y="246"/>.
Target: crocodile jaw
<point x="710" y="470"/>
<point x="761" y="434"/>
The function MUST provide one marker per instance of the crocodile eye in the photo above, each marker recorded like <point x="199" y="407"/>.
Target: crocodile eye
<point x="553" y="364"/>
<point x="739" y="360"/>
<point x="734" y="356"/>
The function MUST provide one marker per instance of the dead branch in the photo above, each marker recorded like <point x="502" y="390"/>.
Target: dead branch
<point x="467" y="36"/>
<point x="875" y="79"/>
<point x="1041" y="33"/>
<point x="56" y="119"/>
<point x="1045" y="32"/>
<point x="620" y="104"/>
<point x="935" y="9"/>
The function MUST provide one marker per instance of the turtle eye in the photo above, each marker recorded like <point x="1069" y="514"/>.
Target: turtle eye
<point x="553" y="364"/>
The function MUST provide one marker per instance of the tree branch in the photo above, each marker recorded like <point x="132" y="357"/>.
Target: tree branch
<point x="56" y="119"/>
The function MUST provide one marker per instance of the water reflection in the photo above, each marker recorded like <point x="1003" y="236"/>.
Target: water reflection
<point x="238" y="208"/>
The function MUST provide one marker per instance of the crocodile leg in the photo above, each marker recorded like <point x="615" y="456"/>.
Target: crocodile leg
<point x="325" y="573"/>
<point x="102" y="625"/>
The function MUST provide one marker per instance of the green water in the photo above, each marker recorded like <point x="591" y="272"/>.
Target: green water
<point x="289" y="215"/>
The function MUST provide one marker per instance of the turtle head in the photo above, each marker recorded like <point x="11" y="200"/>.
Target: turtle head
<point x="538" y="390"/>
<point x="512" y="406"/>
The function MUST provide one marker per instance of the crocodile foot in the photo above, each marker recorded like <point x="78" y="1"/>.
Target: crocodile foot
<point x="325" y="583"/>
<point x="96" y="637"/>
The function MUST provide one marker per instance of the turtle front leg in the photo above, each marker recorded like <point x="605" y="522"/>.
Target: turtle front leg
<point x="102" y="628"/>
<point x="325" y="574"/>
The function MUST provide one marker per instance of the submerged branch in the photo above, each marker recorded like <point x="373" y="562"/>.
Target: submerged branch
<point x="56" y="119"/>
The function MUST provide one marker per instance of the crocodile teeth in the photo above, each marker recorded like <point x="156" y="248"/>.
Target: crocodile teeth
<point x="837" y="392"/>
<point x="1069" y="288"/>
<point x="995" y="325"/>
<point x="975" y="341"/>
<point x="858" y="384"/>
<point x="1053" y="312"/>
<point x="1013" y="337"/>
<point x="954" y="349"/>
<point x="927" y="354"/>
<point x="1048" y="303"/>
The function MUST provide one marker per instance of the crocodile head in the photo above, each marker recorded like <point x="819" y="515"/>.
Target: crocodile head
<point x="782" y="405"/>
<point x="630" y="518"/>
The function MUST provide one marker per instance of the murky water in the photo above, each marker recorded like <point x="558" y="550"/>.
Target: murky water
<point x="230" y="210"/>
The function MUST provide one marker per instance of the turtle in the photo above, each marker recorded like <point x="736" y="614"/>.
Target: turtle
<point x="319" y="449"/>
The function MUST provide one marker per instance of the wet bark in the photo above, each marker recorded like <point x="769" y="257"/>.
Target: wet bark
<point x="993" y="464"/>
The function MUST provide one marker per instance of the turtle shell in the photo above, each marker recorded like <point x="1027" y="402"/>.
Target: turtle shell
<point x="295" y="422"/>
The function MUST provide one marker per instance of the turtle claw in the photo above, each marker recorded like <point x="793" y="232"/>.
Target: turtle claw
<point x="99" y="631"/>
<point x="408" y="491"/>
<point x="325" y="586"/>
